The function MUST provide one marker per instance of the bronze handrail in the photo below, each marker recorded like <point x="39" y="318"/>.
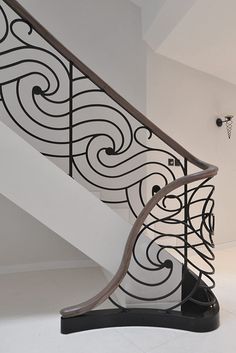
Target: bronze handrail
<point x="105" y="293"/>
<point x="103" y="85"/>
<point x="208" y="170"/>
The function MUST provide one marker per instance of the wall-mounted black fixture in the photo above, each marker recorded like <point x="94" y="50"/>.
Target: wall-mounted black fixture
<point x="228" y="120"/>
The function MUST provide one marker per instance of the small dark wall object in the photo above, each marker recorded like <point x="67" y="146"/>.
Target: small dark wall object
<point x="113" y="146"/>
<point x="171" y="162"/>
<point x="228" y="120"/>
<point x="177" y="163"/>
<point x="174" y="162"/>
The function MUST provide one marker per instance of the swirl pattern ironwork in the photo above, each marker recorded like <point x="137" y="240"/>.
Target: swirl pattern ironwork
<point x="72" y="121"/>
<point x="191" y="244"/>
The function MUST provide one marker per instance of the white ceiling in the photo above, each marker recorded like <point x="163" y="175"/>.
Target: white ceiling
<point x="197" y="33"/>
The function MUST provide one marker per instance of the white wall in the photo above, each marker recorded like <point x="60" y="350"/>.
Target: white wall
<point x="36" y="185"/>
<point x="185" y="103"/>
<point x="105" y="35"/>
<point x="27" y="244"/>
<point x="30" y="304"/>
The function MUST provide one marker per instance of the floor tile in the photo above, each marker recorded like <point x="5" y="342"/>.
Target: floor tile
<point x="218" y="341"/>
<point x="41" y="334"/>
<point x="29" y="320"/>
<point x="146" y="338"/>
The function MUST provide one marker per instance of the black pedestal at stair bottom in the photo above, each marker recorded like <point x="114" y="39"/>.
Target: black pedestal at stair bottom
<point x="185" y="320"/>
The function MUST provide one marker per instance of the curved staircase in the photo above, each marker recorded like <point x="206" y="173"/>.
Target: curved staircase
<point x="161" y="264"/>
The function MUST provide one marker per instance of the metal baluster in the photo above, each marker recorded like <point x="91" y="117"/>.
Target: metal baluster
<point x="71" y="120"/>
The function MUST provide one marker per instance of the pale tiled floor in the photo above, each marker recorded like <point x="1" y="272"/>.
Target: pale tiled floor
<point x="37" y="332"/>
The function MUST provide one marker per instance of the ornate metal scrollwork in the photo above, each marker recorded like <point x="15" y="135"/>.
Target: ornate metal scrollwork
<point x="72" y="121"/>
<point x="191" y="244"/>
<point x="111" y="151"/>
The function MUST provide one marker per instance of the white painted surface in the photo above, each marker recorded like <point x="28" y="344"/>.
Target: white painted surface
<point x="37" y="330"/>
<point x="45" y="266"/>
<point x="124" y="43"/>
<point x="197" y="33"/>
<point x="152" y="277"/>
<point x="205" y="39"/>
<point x="185" y="103"/>
<point x="161" y="17"/>
<point x="105" y="35"/>
<point x="17" y="111"/>
<point x="138" y="2"/>
<point x="165" y="127"/>
<point x="44" y="191"/>
<point x="149" y="11"/>
<point x="47" y="292"/>
<point x="26" y="244"/>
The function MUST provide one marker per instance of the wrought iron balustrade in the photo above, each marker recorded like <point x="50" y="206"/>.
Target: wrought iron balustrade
<point x="74" y="118"/>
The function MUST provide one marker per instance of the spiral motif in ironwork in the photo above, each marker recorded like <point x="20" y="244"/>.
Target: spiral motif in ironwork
<point x="62" y="113"/>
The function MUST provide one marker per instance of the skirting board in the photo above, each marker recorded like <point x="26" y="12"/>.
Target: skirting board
<point x="42" y="266"/>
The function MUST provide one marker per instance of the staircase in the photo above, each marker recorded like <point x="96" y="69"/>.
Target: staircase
<point x="44" y="191"/>
<point x="68" y="139"/>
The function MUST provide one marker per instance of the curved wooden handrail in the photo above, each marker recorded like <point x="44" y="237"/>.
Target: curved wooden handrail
<point x="105" y="293"/>
<point x="103" y="85"/>
<point x="208" y="170"/>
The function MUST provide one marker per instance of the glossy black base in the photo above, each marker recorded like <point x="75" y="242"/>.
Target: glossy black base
<point x="204" y="321"/>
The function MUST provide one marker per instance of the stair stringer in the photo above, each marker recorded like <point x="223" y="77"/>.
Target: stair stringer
<point x="43" y="190"/>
